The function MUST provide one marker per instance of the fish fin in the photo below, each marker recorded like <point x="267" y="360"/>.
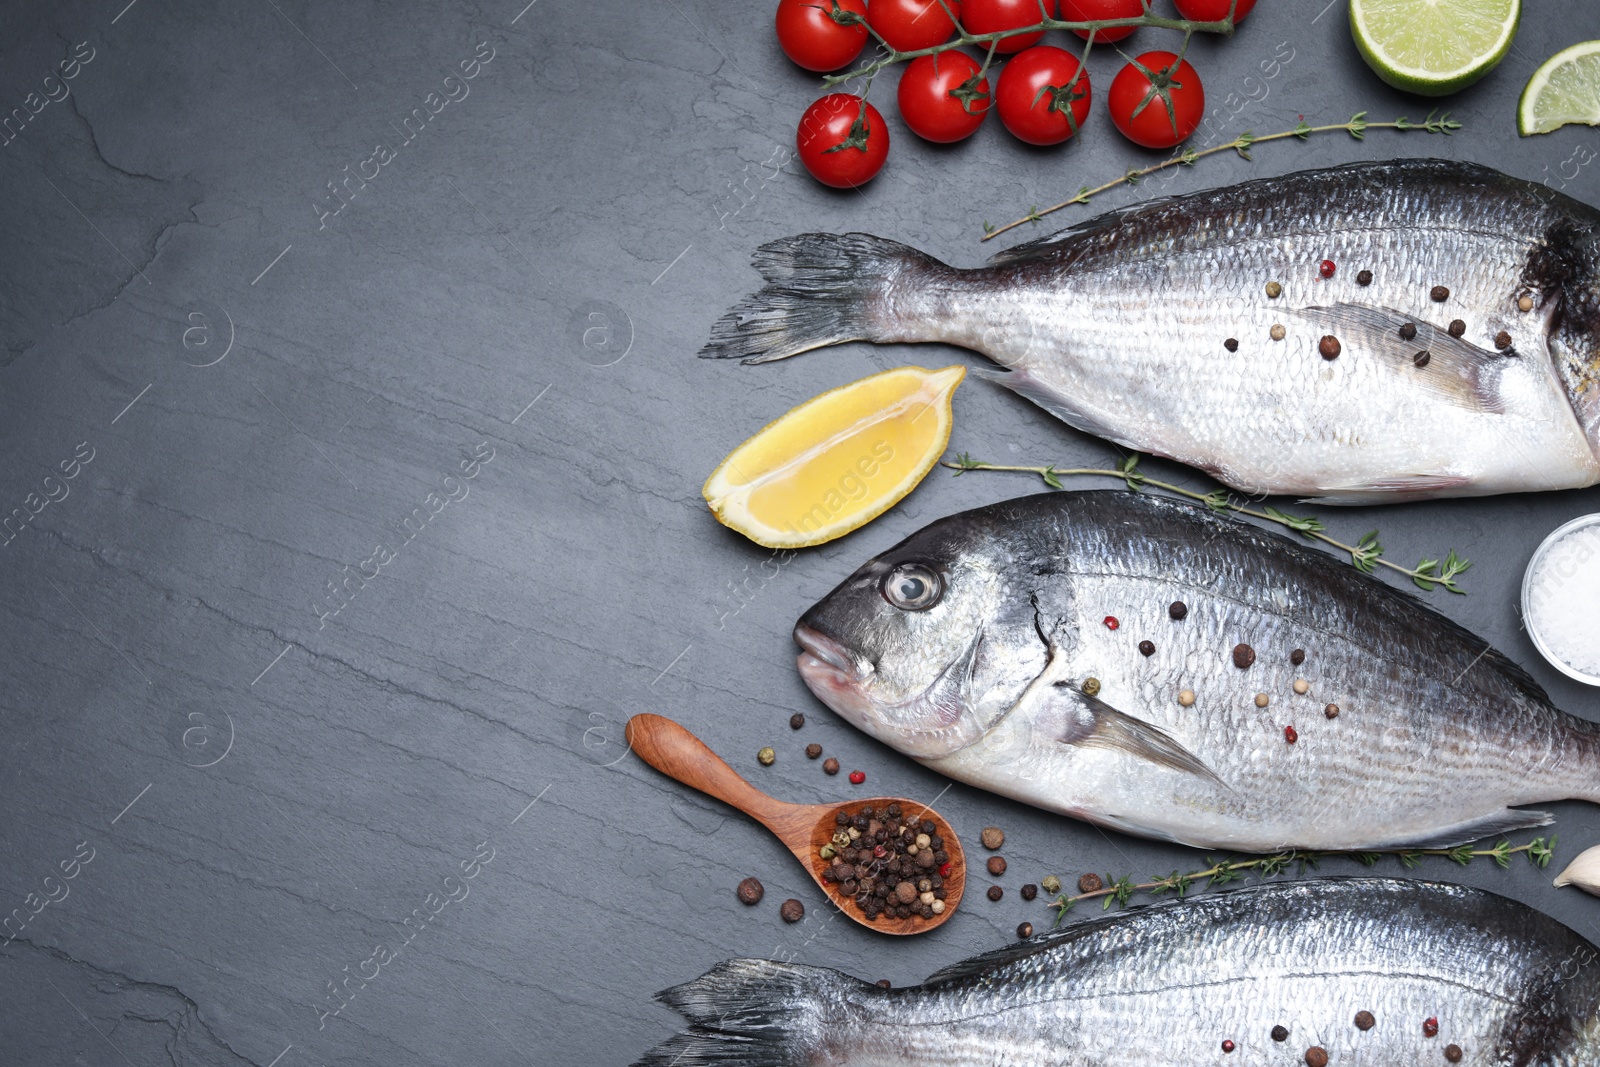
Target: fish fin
<point x="748" y="1013"/>
<point x="985" y="962"/>
<point x="1394" y="490"/>
<point x="821" y="290"/>
<point x="1093" y="723"/>
<point x="1494" y="824"/>
<point x="1028" y="386"/>
<point x="1456" y="371"/>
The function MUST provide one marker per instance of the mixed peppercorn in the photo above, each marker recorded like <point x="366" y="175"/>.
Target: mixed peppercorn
<point x="887" y="864"/>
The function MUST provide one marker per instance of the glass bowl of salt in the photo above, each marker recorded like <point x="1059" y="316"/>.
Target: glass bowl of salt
<point x="1561" y="597"/>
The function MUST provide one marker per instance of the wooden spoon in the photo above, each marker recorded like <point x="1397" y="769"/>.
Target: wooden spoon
<point x="804" y="828"/>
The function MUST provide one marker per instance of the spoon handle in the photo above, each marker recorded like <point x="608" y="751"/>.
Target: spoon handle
<point x="677" y="753"/>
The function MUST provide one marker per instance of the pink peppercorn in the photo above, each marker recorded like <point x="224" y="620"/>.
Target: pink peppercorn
<point x="857" y="777"/>
<point x="1327" y="268"/>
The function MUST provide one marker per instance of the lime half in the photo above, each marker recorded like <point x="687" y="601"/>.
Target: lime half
<point x="1565" y="90"/>
<point x="1433" y="47"/>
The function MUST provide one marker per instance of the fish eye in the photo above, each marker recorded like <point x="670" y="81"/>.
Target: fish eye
<point x="913" y="587"/>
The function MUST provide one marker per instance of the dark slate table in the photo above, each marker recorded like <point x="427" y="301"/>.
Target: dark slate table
<point x="286" y="282"/>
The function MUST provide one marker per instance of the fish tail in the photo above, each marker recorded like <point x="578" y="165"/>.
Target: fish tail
<point x="822" y="289"/>
<point x="749" y="1013"/>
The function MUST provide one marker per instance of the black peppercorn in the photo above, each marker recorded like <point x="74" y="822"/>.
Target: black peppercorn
<point x="1231" y="344"/>
<point x="1331" y="711"/>
<point x="1364" y="277"/>
<point x="995" y="892"/>
<point x="1502" y="340"/>
<point x="792" y="911"/>
<point x="1316" y="1056"/>
<point x="883" y="983"/>
<point x="1177" y="609"/>
<point x="750" y="891"/>
<point x="1457" y="327"/>
<point x="1025" y="931"/>
<point x="1280" y="1033"/>
<point x="1297" y="657"/>
<point x="796" y="721"/>
<point x="1438" y="294"/>
<point x="1147" y="648"/>
<point x="841" y="818"/>
<point x="813" y="750"/>
<point x="1408" y="331"/>
<point x="1423" y="358"/>
<point x="1030" y="891"/>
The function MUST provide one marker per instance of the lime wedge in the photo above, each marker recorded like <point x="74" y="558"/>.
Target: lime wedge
<point x="1566" y="89"/>
<point x="1433" y="47"/>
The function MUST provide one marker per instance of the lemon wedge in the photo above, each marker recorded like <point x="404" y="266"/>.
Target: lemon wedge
<point x="838" y="461"/>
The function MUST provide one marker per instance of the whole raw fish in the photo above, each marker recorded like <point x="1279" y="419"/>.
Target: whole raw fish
<point x="1006" y="647"/>
<point x="1375" y="971"/>
<point x="1453" y="351"/>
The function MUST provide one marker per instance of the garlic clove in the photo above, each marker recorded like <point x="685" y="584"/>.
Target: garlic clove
<point x="1583" y="872"/>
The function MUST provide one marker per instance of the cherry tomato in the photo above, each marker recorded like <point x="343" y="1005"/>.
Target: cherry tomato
<point x="992" y="16"/>
<point x="1043" y="95"/>
<point x="942" y="98"/>
<point x="909" y="25"/>
<point x="1213" y="10"/>
<point x="843" y="140"/>
<point x="811" y="37"/>
<point x="1094" y="10"/>
<point x="1158" y="106"/>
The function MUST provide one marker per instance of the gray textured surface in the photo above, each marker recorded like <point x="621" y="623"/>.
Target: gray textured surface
<point x="299" y="787"/>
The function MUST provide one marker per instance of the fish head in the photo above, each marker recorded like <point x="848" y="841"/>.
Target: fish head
<point x="917" y="647"/>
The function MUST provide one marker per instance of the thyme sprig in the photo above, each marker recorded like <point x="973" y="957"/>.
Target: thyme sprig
<point x="1366" y="554"/>
<point x="1116" y="892"/>
<point x="1357" y="127"/>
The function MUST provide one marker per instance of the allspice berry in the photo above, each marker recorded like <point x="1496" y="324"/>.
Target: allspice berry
<point x="992" y="837"/>
<point x="1316" y="1056"/>
<point x="1025" y="931"/>
<point x="1331" y="711"/>
<point x="905" y="892"/>
<point x="1177" y="610"/>
<point x="1329" y="346"/>
<point x="1439" y="294"/>
<point x="1147" y="648"/>
<point x="830" y="766"/>
<point x="1457" y="328"/>
<point x="1365" y="1021"/>
<point x="1243" y="655"/>
<point x="997" y="865"/>
<point x="1452" y="1053"/>
<point x="791" y="911"/>
<point x="750" y="891"/>
<point x="813" y="750"/>
<point x="884" y="983"/>
<point x="1090" y="883"/>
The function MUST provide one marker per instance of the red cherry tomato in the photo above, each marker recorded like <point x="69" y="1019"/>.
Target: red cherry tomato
<point x="992" y="16"/>
<point x="942" y="98"/>
<point x="909" y="25"/>
<point x="810" y="36"/>
<point x="843" y="141"/>
<point x="1213" y="10"/>
<point x="1157" y="109"/>
<point x="1094" y="10"/>
<point x="1037" y="94"/>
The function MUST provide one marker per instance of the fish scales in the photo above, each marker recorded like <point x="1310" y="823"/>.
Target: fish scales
<point x="1117" y="327"/>
<point x="1437" y="740"/>
<point x="1169" y="983"/>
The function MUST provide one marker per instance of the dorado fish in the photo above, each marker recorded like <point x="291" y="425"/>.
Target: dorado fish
<point x="1336" y="971"/>
<point x="1149" y="665"/>
<point x="1367" y="333"/>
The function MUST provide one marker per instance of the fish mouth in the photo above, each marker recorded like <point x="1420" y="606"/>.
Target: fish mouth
<point x="827" y="660"/>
